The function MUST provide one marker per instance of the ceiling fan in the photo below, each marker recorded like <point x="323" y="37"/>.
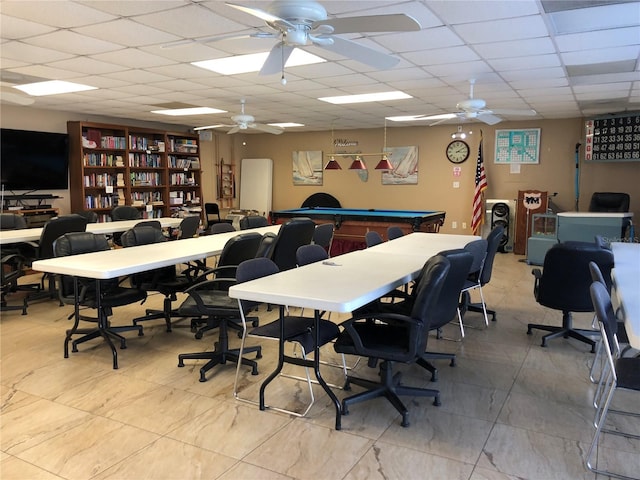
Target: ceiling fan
<point x="475" y="109"/>
<point x="244" y="121"/>
<point x="298" y="23"/>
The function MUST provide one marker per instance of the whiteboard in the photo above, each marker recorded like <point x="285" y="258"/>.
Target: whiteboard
<point x="256" y="184"/>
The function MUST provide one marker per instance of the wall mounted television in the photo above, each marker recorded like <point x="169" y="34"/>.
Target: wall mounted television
<point x="33" y="160"/>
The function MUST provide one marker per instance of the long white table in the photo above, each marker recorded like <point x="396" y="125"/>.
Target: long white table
<point x="347" y="282"/>
<point x="626" y="286"/>
<point x="33" y="234"/>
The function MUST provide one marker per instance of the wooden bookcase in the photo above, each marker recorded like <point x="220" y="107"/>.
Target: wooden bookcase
<point x="226" y="184"/>
<point x="154" y="170"/>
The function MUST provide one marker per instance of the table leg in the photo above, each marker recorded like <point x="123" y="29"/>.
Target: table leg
<point x="278" y="369"/>
<point x="316" y="368"/>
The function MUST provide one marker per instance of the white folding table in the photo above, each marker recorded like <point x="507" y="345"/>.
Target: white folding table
<point x="626" y="286"/>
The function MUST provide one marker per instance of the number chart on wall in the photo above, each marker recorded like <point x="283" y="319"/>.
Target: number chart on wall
<point x="518" y="146"/>
<point x="614" y="138"/>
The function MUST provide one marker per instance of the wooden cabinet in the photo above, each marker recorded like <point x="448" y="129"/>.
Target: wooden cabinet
<point x="153" y="170"/>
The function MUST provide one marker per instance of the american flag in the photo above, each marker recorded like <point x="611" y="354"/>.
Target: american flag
<point x="477" y="218"/>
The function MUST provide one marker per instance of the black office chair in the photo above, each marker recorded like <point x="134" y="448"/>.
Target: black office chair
<point x="323" y="236"/>
<point x="563" y="284"/>
<point x="266" y="244"/>
<point x="11" y="269"/>
<point x="237" y="249"/>
<point x="253" y="221"/>
<point x="209" y="300"/>
<point x="297" y="329"/>
<point x="12" y="221"/>
<point x="394" y="338"/>
<point x="188" y="227"/>
<point x="221" y="228"/>
<point x="493" y="242"/>
<point x="123" y="212"/>
<point x="394" y="232"/>
<point x="212" y="214"/>
<point x="292" y="235"/>
<point x="166" y="280"/>
<point x="373" y="238"/>
<point x="90" y="215"/>
<point x="620" y="373"/>
<point x="615" y="202"/>
<point x="53" y="228"/>
<point x="111" y="294"/>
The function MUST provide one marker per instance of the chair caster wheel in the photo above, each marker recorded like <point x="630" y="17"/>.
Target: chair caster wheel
<point x="198" y="335"/>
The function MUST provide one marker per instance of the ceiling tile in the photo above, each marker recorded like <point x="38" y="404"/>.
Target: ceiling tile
<point x="16" y="28"/>
<point x="71" y="42"/>
<point x="54" y="13"/>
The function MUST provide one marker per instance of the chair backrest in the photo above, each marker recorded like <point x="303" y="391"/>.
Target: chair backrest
<point x="323" y="234"/>
<point x="394" y="232"/>
<point x="90" y="215"/>
<point x="609" y="202"/>
<point x="56" y="227"/>
<point x="253" y="269"/>
<point x="606" y="316"/>
<point x="12" y="221"/>
<point x="211" y="214"/>
<point x="372" y="238"/>
<point x="428" y="290"/>
<point x="142" y="235"/>
<point x="445" y="309"/>
<point x="564" y="284"/>
<point x="238" y="249"/>
<point x="477" y="248"/>
<point x="266" y="244"/>
<point x="291" y="236"/>
<point x="597" y="276"/>
<point x="312" y="253"/>
<point x="253" y="221"/>
<point x="125" y="212"/>
<point x="221" y="228"/>
<point x="493" y="242"/>
<point x="150" y="223"/>
<point x="75" y="243"/>
<point x="188" y="227"/>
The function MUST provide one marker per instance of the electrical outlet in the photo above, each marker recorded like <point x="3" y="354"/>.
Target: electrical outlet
<point x="464" y="224"/>
<point x="456" y="184"/>
<point x="454" y="224"/>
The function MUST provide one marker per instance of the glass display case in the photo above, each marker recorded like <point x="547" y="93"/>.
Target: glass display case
<point x="544" y="225"/>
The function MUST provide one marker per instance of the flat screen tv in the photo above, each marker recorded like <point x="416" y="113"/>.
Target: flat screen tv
<point x="33" y="160"/>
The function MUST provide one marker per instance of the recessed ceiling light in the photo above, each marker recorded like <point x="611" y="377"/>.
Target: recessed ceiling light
<point x="286" y="124"/>
<point x="188" y="111"/>
<point x="52" y="87"/>
<point x="254" y="61"/>
<point x="367" y="97"/>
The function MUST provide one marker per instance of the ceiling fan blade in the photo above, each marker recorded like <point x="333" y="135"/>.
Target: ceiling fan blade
<point x="209" y="127"/>
<point x="362" y="54"/>
<point x="267" y="128"/>
<point x="488" y="118"/>
<point x="261" y="14"/>
<point x="397" y="22"/>
<point x="521" y="113"/>
<point x="235" y="129"/>
<point x="440" y="116"/>
<point x="277" y="59"/>
<point x="442" y="120"/>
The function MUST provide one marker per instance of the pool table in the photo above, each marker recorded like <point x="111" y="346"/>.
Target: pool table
<point x="351" y="224"/>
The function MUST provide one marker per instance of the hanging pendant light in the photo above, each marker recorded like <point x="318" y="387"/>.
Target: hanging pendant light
<point x="332" y="164"/>
<point x="358" y="164"/>
<point x="384" y="164"/>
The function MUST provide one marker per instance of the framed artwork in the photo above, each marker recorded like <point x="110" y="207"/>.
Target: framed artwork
<point x="307" y="167"/>
<point x="405" y="166"/>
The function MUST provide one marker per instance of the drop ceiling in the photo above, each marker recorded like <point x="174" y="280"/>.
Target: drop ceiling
<point x="564" y="59"/>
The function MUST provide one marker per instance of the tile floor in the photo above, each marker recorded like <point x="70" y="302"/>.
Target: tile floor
<point x="510" y="409"/>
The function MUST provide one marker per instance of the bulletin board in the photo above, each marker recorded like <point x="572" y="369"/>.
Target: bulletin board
<point x="518" y="146"/>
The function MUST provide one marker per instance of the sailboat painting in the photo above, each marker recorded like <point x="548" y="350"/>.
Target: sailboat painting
<point x="307" y="167"/>
<point x="405" y="166"/>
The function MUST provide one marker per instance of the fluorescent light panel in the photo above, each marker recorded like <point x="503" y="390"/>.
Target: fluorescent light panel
<point x="188" y="111"/>
<point x="253" y="62"/>
<point x="366" y="97"/>
<point x="52" y="87"/>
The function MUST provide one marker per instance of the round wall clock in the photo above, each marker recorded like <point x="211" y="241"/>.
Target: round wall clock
<point x="457" y="151"/>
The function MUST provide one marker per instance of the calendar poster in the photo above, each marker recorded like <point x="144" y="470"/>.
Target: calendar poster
<point x="518" y="146"/>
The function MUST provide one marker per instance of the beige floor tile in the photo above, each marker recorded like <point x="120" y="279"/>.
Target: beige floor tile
<point x="306" y="451"/>
<point x="167" y="459"/>
<point x="12" y="468"/>
<point x="384" y="461"/>
<point x="242" y="470"/>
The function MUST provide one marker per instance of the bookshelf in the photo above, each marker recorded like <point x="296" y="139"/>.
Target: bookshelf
<point x="226" y="184"/>
<point x="153" y="170"/>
